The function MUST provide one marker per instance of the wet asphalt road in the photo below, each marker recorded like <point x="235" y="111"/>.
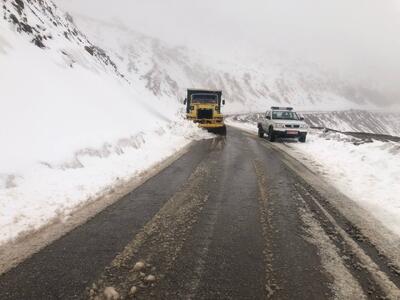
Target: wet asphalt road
<point x="228" y="220"/>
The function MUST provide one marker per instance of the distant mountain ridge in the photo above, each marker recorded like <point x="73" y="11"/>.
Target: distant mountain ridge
<point x="167" y="71"/>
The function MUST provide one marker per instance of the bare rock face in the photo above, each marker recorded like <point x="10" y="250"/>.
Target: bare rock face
<point x="42" y="22"/>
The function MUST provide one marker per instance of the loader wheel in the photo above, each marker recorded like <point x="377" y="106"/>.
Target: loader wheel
<point x="223" y="130"/>
<point x="260" y="132"/>
<point x="218" y="130"/>
<point x="271" y="135"/>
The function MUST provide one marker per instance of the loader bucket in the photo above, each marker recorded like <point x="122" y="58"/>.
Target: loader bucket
<point x="218" y="130"/>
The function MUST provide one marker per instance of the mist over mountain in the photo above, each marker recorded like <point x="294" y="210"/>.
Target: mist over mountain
<point x="251" y="81"/>
<point x="355" y="41"/>
<point x="167" y="70"/>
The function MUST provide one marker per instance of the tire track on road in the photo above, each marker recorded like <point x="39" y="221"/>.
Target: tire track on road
<point x="384" y="263"/>
<point x="159" y="243"/>
<point x="375" y="282"/>
<point x="222" y="257"/>
<point x="294" y="269"/>
<point x="345" y="285"/>
<point x="270" y="284"/>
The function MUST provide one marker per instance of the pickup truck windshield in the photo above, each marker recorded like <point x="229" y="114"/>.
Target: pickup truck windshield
<point x="284" y="115"/>
<point x="204" y="98"/>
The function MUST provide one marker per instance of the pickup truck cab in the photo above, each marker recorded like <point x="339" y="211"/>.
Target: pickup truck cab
<point x="283" y="122"/>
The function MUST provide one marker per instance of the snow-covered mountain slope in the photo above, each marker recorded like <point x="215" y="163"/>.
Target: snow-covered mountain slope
<point x="60" y="93"/>
<point x="41" y="23"/>
<point x="71" y="125"/>
<point x="249" y="86"/>
<point x="346" y="121"/>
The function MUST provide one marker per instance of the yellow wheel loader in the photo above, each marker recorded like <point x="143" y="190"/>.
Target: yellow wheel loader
<point x="204" y="108"/>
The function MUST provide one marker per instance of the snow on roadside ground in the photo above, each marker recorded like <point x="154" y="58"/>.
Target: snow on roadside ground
<point x="242" y="122"/>
<point x="46" y="192"/>
<point x="368" y="173"/>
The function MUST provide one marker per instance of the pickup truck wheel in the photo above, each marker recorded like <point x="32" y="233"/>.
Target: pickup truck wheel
<point x="260" y="132"/>
<point x="271" y="135"/>
<point x="303" y="138"/>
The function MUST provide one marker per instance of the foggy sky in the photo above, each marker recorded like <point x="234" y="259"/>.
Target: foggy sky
<point x="358" y="38"/>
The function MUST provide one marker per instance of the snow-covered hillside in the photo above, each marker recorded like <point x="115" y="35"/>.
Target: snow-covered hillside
<point x="249" y="86"/>
<point x="70" y="123"/>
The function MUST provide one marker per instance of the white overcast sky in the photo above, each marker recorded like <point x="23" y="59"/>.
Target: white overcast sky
<point x="359" y="37"/>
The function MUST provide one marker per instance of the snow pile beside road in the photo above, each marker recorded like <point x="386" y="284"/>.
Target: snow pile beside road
<point x="246" y="122"/>
<point x="368" y="173"/>
<point x="47" y="192"/>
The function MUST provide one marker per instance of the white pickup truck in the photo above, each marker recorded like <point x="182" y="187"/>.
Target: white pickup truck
<point x="283" y="122"/>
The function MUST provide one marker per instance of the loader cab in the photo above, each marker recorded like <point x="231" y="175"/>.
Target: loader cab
<point x="204" y="108"/>
<point x="203" y="97"/>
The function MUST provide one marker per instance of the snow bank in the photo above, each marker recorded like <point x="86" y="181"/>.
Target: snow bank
<point x="245" y="122"/>
<point x="45" y="192"/>
<point x="368" y="173"/>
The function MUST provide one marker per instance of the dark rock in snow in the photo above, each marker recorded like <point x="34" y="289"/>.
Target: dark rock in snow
<point x="69" y="18"/>
<point x="14" y="19"/>
<point x="26" y="28"/>
<point x="38" y="41"/>
<point x="19" y="5"/>
<point x="90" y="50"/>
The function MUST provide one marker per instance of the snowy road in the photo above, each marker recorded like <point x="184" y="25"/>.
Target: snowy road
<point x="234" y="218"/>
